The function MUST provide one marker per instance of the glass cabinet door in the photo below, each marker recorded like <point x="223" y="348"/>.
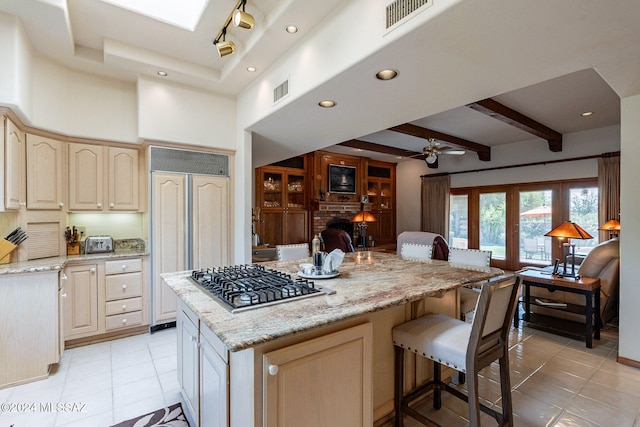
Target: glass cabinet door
<point x="295" y="191"/>
<point x="272" y="190"/>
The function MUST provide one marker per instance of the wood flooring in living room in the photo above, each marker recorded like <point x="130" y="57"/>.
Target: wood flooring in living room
<point x="556" y="382"/>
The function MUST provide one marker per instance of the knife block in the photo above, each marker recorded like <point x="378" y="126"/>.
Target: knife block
<point x="6" y="248"/>
<point x="73" y="249"/>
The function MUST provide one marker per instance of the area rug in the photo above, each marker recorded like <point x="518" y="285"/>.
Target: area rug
<point x="173" y="416"/>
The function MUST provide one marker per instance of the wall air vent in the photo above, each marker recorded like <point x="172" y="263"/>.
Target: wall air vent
<point x="400" y="9"/>
<point x="281" y="91"/>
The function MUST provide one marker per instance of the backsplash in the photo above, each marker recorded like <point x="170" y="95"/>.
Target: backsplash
<point x="128" y="244"/>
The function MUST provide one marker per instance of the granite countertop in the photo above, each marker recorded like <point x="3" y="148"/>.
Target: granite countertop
<point x="58" y="263"/>
<point x="365" y="285"/>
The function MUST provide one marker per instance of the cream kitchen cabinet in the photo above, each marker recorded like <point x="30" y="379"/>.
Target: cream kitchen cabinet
<point x="44" y="173"/>
<point x="28" y="326"/>
<point x="123" y="293"/>
<point x="203" y="371"/>
<point x="81" y="305"/>
<point x="88" y="182"/>
<point x="14" y="166"/>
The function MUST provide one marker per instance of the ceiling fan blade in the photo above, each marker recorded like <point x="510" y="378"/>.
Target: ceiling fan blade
<point x="454" y="152"/>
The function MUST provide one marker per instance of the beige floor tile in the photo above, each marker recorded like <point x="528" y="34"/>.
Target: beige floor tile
<point x="129" y="393"/>
<point x="599" y="413"/>
<point x="572" y="420"/>
<point x="619" y="400"/>
<point x="87" y="406"/>
<point x="140" y="407"/>
<point x="533" y="411"/>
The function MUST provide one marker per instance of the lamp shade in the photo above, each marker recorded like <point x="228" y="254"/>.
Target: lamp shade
<point x="363" y="216"/>
<point x="569" y="230"/>
<point x="611" y="225"/>
<point x="225" y="48"/>
<point x="243" y="20"/>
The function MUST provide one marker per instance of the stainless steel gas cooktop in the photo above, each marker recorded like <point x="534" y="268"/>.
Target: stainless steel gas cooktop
<point x="245" y="287"/>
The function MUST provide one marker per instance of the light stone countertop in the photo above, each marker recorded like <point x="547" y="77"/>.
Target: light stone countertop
<point x="58" y="263"/>
<point x="363" y="286"/>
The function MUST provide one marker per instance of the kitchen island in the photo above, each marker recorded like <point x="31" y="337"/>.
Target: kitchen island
<point x="330" y="357"/>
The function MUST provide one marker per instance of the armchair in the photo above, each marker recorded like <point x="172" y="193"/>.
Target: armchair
<point x="603" y="262"/>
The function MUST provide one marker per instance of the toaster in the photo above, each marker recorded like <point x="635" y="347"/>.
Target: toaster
<point x="98" y="244"/>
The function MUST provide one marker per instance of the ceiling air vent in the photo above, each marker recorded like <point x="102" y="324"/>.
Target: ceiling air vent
<point x="281" y="91"/>
<point x="399" y="9"/>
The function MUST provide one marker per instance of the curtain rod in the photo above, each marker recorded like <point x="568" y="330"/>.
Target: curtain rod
<point x="573" y="159"/>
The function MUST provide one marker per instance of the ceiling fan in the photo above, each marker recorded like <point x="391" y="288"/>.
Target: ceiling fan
<point x="434" y="149"/>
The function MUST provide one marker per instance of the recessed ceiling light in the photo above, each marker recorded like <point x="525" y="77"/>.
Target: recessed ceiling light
<point x="291" y="29"/>
<point x="327" y="103"/>
<point x="388" y="74"/>
<point x="587" y="114"/>
<point x="162" y="73"/>
<point x="251" y="69"/>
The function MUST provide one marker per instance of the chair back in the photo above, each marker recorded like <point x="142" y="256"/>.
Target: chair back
<point x="476" y="257"/>
<point x="288" y="252"/>
<point x="492" y="321"/>
<point x="440" y="248"/>
<point x="416" y="252"/>
<point x="335" y="238"/>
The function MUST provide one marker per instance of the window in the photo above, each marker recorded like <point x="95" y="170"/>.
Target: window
<point x="459" y="221"/>
<point x="493" y="222"/>
<point x="534" y="222"/>
<point x="583" y="210"/>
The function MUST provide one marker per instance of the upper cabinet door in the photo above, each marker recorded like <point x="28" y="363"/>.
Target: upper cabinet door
<point x="44" y="167"/>
<point x="86" y="177"/>
<point x="14" y="167"/>
<point x="123" y="179"/>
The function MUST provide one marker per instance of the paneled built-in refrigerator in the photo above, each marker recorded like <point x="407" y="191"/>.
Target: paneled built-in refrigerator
<point x="189" y="220"/>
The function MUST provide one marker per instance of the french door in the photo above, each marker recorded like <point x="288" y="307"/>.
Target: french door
<point x="511" y="220"/>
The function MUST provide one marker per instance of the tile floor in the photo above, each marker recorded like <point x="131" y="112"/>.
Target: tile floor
<point x="117" y="380"/>
<point x="556" y="382"/>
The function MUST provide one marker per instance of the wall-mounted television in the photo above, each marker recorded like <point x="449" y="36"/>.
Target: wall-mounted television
<point x="342" y="179"/>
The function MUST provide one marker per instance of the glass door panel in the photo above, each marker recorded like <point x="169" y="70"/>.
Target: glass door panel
<point x="459" y="221"/>
<point x="295" y="191"/>
<point x="583" y="210"/>
<point x="272" y="190"/>
<point x="534" y="223"/>
<point x="493" y="223"/>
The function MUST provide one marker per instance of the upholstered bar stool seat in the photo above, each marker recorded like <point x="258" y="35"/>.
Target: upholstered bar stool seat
<point x="465" y="347"/>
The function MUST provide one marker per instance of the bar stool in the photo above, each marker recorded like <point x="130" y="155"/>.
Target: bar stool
<point x="464" y="347"/>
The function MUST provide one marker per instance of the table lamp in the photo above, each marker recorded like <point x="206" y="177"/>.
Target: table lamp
<point x="362" y="218"/>
<point x="569" y="230"/>
<point x="612" y="226"/>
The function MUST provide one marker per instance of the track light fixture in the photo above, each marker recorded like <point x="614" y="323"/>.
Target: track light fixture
<point x="241" y="19"/>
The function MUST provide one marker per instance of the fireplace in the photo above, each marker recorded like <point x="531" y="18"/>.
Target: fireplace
<point x="342" y="224"/>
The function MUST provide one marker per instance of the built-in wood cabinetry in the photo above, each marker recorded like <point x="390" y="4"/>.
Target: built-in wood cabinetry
<point x="14" y="166"/>
<point x="81" y="305"/>
<point x="44" y="173"/>
<point x="381" y="194"/>
<point x="324" y="362"/>
<point x="105" y="297"/>
<point x="282" y="194"/>
<point x="28" y="326"/>
<point x="87" y="178"/>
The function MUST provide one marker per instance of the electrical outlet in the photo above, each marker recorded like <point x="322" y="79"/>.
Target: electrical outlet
<point x="82" y="231"/>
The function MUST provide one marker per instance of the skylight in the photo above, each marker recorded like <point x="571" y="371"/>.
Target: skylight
<point x="183" y="14"/>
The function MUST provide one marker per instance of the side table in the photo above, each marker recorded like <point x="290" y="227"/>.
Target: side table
<point x="589" y="287"/>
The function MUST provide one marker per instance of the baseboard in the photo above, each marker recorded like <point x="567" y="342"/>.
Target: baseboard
<point x="628" y="362"/>
<point x="106" y="337"/>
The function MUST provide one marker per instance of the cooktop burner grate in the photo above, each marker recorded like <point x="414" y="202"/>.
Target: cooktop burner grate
<point x="243" y="287"/>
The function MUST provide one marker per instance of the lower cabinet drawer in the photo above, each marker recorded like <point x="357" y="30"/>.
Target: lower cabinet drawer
<point x="123" y="286"/>
<point x="124" y="306"/>
<point x="124" y="320"/>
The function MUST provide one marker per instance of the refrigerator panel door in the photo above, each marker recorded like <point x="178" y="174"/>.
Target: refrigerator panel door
<point x="210" y="221"/>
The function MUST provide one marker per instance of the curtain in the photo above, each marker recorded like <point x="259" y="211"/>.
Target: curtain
<point x="609" y="191"/>
<point x="435" y="205"/>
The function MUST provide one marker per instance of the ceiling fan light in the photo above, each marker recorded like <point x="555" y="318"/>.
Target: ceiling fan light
<point x="226" y="47"/>
<point x="431" y="159"/>
<point x="243" y="19"/>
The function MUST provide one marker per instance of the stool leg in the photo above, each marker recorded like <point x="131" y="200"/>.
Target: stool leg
<point x="472" y="393"/>
<point x="398" y="386"/>
<point x="505" y="390"/>
<point x="437" y="378"/>
<point x="461" y="378"/>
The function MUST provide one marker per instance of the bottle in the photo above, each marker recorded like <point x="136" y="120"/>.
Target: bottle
<point x="315" y="245"/>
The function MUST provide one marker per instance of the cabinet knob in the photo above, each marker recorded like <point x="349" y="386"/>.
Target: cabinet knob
<point x="63" y="277"/>
<point x="273" y="369"/>
<point x="93" y="269"/>
<point x="61" y="204"/>
<point x="23" y="203"/>
<point x="124" y="266"/>
<point x="124" y="321"/>
<point x="99" y="205"/>
<point x="64" y="295"/>
<point x="124" y="287"/>
<point x="112" y="205"/>
<point x="124" y="307"/>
